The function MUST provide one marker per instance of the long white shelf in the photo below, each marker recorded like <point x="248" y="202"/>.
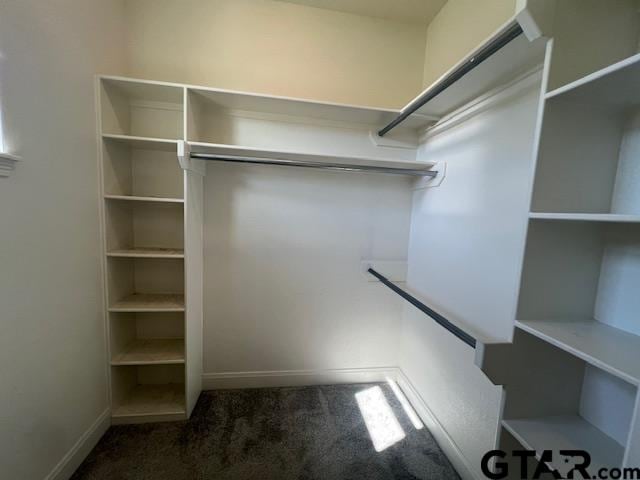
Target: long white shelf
<point x="147" y="400"/>
<point x="567" y="432"/>
<point x="586" y="217"/>
<point x="146" y="252"/>
<point x="615" y="86"/>
<point x="240" y="151"/>
<point x="135" y="198"/>
<point x="149" y="143"/>
<point x="150" y="302"/>
<point x="156" y="351"/>
<point x="612" y="350"/>
<point x="517" y="57"/>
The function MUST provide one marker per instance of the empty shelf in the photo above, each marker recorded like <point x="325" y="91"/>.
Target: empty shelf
<point x="615" y="86"/>
<point x="146" y="143"/>
<point x="134" y="198"/>
<point x="152" y="400"/>
<point x="587" y="217"/>
<point x="614" y="351"/>
<point x="150" y="302"/>
<point x="151" y="352"/>
<point x="568" y="432"/>
<point x="143" y="252"/>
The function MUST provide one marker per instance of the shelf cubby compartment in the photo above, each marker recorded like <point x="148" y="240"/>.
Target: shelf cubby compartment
<point x="140" y="108"/>
<point x="271" y="125"/>
<point x="579" y="291"/>
<point x="147" y="338"/>
<point x="144" y="228"/>
<point x="146" y="393"/>
<point x="556" y="401"/>
<point x="589" y="148"/>
<point x="145" y="285"/>
<point x="141" y="170"/>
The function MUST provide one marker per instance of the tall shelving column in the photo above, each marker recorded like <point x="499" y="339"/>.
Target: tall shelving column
<point x="576" y="347"/>
<point x="152" y="243"/>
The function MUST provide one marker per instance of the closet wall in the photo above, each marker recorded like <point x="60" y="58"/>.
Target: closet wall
<point x="278" y="48"/>
<point x="52" y="353"/>
<point x="465" y="249"/>
<point x="285" y="300"/>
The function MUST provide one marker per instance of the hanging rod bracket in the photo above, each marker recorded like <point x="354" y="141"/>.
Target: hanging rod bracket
<point x="186" y="159"/>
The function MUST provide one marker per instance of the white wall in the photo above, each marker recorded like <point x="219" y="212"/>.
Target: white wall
<point x="278" y="48"/>
<point x="458" y="28"/>
<point x="283" y="288"/>
<point x="466" y="244"/>
<point x="52" y="357"/>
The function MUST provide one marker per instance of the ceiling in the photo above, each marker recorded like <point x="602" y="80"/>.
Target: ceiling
<point x="413" y="11"/>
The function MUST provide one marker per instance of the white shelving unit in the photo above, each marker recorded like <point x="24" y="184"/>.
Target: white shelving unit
<point x="153" y="213"/>
<point x="574" y="364"/>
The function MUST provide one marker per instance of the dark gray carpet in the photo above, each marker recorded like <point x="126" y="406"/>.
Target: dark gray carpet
<point x="277" y="433"/>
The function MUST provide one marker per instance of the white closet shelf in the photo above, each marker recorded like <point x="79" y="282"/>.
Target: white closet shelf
<point x="148" y="143"/>
<point x="610" y="349"/>
<point x="239" y="151"/>
<point x="516" y="58"/>
<point x="615" y="86"/>
<point x="157" y="351"/>
<point x="150" y="302"/>
<point x="587" y="217"/>
<point x="145" y="400"/>
<point x="134" y="198"/>
<point x="567" y="432"/>
<point x="147" y="252"/>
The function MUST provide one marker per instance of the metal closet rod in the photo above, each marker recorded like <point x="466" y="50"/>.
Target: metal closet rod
<point x="317" y="165"/>
<point x="439" y="319"/>
<point x="512" y="33"/>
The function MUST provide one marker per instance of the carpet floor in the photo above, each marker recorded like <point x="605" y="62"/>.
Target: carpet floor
<point x="319" y="432"/>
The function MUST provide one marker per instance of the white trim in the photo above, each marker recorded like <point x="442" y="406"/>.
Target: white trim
<point x="295" y="378"/>
<point x="444" y="440"/>
<point x="75" y="456"/>
<point x="485" y="102"/>
<point x="7" y="163"/>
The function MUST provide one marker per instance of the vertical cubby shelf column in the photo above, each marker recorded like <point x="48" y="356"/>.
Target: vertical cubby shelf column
<point x="152" y="225"/>
<point x="574" y="364"/>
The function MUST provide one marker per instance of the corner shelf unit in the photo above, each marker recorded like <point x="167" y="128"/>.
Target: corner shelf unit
<point x="574" y="363"/>
<point x="153" y="205"/>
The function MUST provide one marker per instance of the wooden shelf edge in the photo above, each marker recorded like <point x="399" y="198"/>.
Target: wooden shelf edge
<point x="146" y="253"/>
<point x="134" y="198"/>
<point x="222" y="149"/>
<point x="152" y="351"/>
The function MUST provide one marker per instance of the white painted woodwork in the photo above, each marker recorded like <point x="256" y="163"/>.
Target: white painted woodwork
<point x="605" y="347"/>
<point x="516" y="58"/>
<point x="269" y="154"/>
<point x="7" y="163"/>
<point x="464" y="254"/>
<point x="194" y="265"/>
<point x="566" y="433"/>
<point x="586" y="217"/>
<point x="146" y="252"/>
<point x="149" y="302"/>
<point x="590" y="35"/>
<point x="151" y="351"/>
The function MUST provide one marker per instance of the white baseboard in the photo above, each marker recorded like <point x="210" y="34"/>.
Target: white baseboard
<point x="447" y="444"/>
<point x="74" y="457"/>
<point x="295" y="378"/>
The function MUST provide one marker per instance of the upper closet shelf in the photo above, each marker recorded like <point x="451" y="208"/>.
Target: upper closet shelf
<point x="233" y="153"/>
<point x="145" y="143"/>
<point x="502" y="57"/>
<point x="614" y="87"/>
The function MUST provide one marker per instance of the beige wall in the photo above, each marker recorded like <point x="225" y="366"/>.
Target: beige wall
<point x="52" y="357"/>
<point x="458" y="28"/>
<point x="277" y="48"/>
